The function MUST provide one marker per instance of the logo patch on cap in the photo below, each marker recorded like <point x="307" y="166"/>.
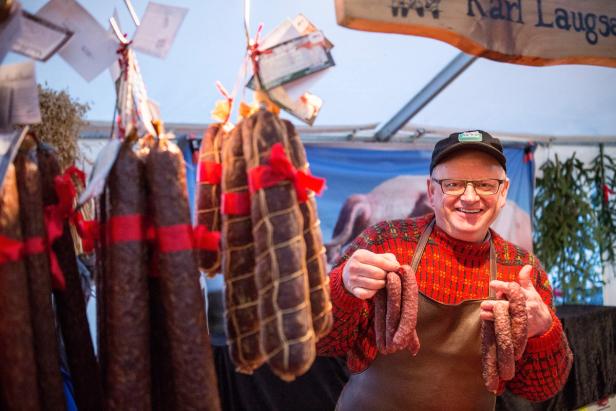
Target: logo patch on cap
<point x="470" y="136"/>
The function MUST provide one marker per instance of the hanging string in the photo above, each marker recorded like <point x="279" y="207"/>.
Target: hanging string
<point x="253" y="52"/>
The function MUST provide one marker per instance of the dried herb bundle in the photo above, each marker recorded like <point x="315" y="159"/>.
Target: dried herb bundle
<point x="62" y="119"/>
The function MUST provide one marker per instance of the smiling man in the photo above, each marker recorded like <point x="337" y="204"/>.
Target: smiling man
<point x="460" y="260"/>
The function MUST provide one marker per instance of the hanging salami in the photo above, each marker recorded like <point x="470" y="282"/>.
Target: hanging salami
<point x="70" y="303"/>
<point x="287" y="335"/>
<point x="208" y="200"/>
<point x="18" y="378"/>
<point x="316" y="262"/>
<point x="238" y="261"/>
<point x="183" y="301"/>
<point x="46" y="350"/>
<point x="127" y="368"/>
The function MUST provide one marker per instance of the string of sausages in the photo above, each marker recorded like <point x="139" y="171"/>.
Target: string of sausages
<point x="395" y="313"/>
<point x="503" y="340"/>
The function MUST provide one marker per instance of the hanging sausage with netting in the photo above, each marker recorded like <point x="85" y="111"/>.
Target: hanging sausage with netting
<point x="238" y="261"/>
<point x="287" y="335"/>
<point x="316" y="263"/>
<point x="207" y="193"/>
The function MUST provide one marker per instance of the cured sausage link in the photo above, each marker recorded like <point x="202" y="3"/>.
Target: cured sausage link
<point x="46" y="350"/>
<point x="287" y="335"/>
<point x="18" y="384"/>
<point x="238" y="260"/>
<point x="519" y="319"/>
<point x="127" y="370"/>
<point x="207" y="194"/>
<point x="70" y="302"/>
<point x="504" y="343"/>
<point x="489" y="363"/>
<point x="316" y="261"/>
<point x="183" y="301"/>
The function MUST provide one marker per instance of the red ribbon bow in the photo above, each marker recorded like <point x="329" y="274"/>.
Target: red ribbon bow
<point x="10" y="250"/>
<point x="280" y="169"/>
<point x="606" y="193"/>
<point x="57" y="214"/>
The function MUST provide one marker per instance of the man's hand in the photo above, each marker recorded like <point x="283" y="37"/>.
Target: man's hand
<point x="539" y="318"/>
<point x="365" y="272"/>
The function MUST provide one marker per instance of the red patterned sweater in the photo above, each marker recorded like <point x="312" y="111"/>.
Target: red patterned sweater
<point x="450" y="271"/>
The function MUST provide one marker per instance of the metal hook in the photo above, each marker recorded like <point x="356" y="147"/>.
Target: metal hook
<point x="133" y="15"/>
<point x="116" y="30"/>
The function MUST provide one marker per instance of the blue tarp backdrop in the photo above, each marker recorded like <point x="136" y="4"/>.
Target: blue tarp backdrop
<point x="352" y="171"/>
<point x="365" y="186"/>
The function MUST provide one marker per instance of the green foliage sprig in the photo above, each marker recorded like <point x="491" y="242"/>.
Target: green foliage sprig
<point x="603" y="169"/>
<point x="568" y="238"/>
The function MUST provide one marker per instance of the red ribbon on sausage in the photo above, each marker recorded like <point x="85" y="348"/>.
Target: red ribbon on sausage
<point x="280" y="169"/>
<point x="34" y="245"/>
<point x="57" y="214"/>
<point x="174" y="238"/>
<point x="125" y="228"/>
<point x="236" y="203"/>
<point x="206" y="239"/>
<point x="209" y="172"/>
<point x="10" y="250"/>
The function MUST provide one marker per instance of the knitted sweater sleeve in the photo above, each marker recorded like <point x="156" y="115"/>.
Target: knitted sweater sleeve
<point x="543" y="369"/>
<point x="352" y="331"/>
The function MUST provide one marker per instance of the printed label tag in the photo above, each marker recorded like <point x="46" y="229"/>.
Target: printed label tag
<point x="469" y="136"/>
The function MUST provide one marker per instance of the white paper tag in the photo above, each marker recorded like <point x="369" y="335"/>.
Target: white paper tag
<point x="9" y="143"/>
<point x="20" y="78"/>
<point x="92" y="49"/>
<point x="100" y="171"/>
<point x="158" y="29"/>
<point x="114" y="69"/>
<point x="40" y="39"/>
<point x="305" y="108"/>
<point x="293" y="59"/>
<point x="305" y="26"/>
<point x="10" y="30"/>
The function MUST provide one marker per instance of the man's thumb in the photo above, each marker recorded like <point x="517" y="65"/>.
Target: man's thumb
<point x="524" y="277"/>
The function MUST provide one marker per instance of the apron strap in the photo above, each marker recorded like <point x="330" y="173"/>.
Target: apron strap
<point x="421" y="246"/>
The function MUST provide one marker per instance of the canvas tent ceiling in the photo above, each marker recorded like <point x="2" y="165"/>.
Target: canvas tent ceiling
<point x="375" y="75"/>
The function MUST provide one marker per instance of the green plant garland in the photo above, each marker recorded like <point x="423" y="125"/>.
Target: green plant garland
<point x="575" y="223"/>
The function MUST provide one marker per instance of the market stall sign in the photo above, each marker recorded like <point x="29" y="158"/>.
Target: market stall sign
<point x="531" y="32"/>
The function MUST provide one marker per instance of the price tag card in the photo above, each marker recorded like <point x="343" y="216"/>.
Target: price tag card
<point x="100" y="171"/>
<point x="40" y="38"/>
<point x="305" y="26"/>
<point x="23" y="95"/>
<point x="9" y="144"/>
<point x="158" y="28"/>
<point x="92" y="49"/>
<point x="10" y="30"/>
<point x="293" y="59"/>
<point x="306" y="107"/>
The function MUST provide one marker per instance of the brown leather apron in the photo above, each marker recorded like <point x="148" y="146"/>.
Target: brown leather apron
<point x="445" y="374"/>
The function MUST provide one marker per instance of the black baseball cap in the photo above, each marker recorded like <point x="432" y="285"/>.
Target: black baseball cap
<point x="468" y="140"/>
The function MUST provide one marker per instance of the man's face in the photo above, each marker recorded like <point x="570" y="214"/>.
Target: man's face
<point x="467" y="216"/>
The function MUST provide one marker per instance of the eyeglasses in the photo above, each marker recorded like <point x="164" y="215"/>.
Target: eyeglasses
<point x="458" y="187"/>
